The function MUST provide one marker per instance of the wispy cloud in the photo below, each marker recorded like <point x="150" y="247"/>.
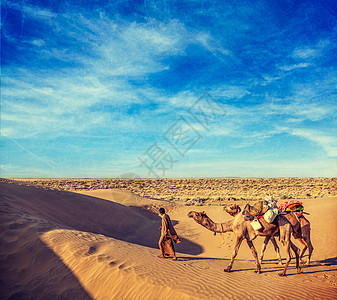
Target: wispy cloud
<point x="329" y="143"/>
<point x="295" y="66"/>
<point x="33" y="155"/>
<point x="323" y="139"/>
<point x="309" y="52"/>
<point x="66" y="100"/>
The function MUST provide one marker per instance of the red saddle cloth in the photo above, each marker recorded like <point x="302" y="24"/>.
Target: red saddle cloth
<point x="292" y="206"/>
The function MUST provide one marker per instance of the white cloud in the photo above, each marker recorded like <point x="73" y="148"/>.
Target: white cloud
<point x="138" y="49"/>
<point x="299" y="111"/>
<point x="34" y="12"/>
<point x="322" y="138"/>
<point x="213" y="46"/>
<point x="328" y="142"/>
<point x="304" y="53"/>
<point x="234" y="92"/>
<point x="38" y="42"/>
<point x="250" y="125"/>
<point x="311" y="51"/>
<point x="295" y="66"/>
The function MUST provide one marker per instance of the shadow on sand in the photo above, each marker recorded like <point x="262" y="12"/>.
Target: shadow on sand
<point x="86" y="213"/>
<point x="28" y="211"/>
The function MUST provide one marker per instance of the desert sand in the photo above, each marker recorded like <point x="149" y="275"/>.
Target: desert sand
<point x="101" y="243"/>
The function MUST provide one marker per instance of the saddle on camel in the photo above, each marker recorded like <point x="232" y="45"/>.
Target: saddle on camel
<point x="266" y="210"/>
<point x="293" y="211"/>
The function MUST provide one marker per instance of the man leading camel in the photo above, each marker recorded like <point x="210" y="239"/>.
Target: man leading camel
<point x="168" y="235"/>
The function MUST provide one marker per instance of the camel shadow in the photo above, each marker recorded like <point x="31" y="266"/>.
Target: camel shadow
<point x="328" y="262"/>
<point x="311" y="269"/>
<point x="193" y="258"/>
<point x="270" y="269"/>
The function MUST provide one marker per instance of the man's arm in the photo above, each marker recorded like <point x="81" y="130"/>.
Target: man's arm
<point x="164" y="226"/>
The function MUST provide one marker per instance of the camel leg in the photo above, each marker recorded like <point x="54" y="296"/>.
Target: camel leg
<point x="252" y="248"/>
<point x="276" y="247"/>
<point x="305" y="227"/>
<point x="264" y="246"/>
<point x="297" y="254"/>
<point x="277" y="250"/>
<point x="307" y="244"/>
<point x="235" y="252"/>
<point x="287" y="248"/>
<point x="311" y="248"/>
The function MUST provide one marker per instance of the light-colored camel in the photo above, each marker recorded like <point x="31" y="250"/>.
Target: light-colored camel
<point x="304" y="238"/>
<point x="233" y="210"/>
<point x="243" y="230"/>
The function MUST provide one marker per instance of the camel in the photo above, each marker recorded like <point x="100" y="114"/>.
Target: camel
<point x="244" y="230"/>
<point x="233" y="210"/>
<point x="304" y="238"/>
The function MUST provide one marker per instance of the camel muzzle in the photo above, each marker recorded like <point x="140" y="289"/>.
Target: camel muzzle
<point x="190" y="214"/>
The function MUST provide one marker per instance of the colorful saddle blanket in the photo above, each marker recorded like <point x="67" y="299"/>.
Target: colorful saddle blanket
<point x="292" y="206"/>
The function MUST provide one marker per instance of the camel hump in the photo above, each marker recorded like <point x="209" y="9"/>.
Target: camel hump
<point x="254" y="210"/>
<point x="259" y="209"/>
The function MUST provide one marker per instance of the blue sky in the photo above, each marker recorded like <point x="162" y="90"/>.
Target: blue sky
<point x="113" y="88"/>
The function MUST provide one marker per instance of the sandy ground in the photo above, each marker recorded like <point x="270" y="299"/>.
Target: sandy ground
<point x="102" y="244"/>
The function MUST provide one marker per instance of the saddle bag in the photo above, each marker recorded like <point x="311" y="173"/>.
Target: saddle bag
<point x="270" y="215"/>
<point x="256" y="224"/>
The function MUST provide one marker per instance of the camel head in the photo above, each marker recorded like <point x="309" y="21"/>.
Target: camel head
<point x="202" y="219"/>
<point x="233" y="209"/>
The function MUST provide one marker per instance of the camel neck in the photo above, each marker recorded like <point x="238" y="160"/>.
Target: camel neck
<point x="219" y="227"/>
<point x="224" y="226"/>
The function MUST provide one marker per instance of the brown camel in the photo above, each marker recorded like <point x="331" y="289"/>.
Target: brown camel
<point x="303" y="238"/>
<point x="302" y="235"/>
<point x="233" y="210"/>
<point x="243" y="230"/>
<point x="306" y="240"/>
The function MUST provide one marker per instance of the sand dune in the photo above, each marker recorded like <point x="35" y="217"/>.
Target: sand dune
<point x="103" y="245"/>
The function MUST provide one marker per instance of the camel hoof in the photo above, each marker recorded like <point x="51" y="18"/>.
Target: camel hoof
<point x="281" y="274"/>
<point x="305" y="264"/>
<point x="258" y="272"/>
<point x="299" y="270"/>
<point x="227" y="270"/>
